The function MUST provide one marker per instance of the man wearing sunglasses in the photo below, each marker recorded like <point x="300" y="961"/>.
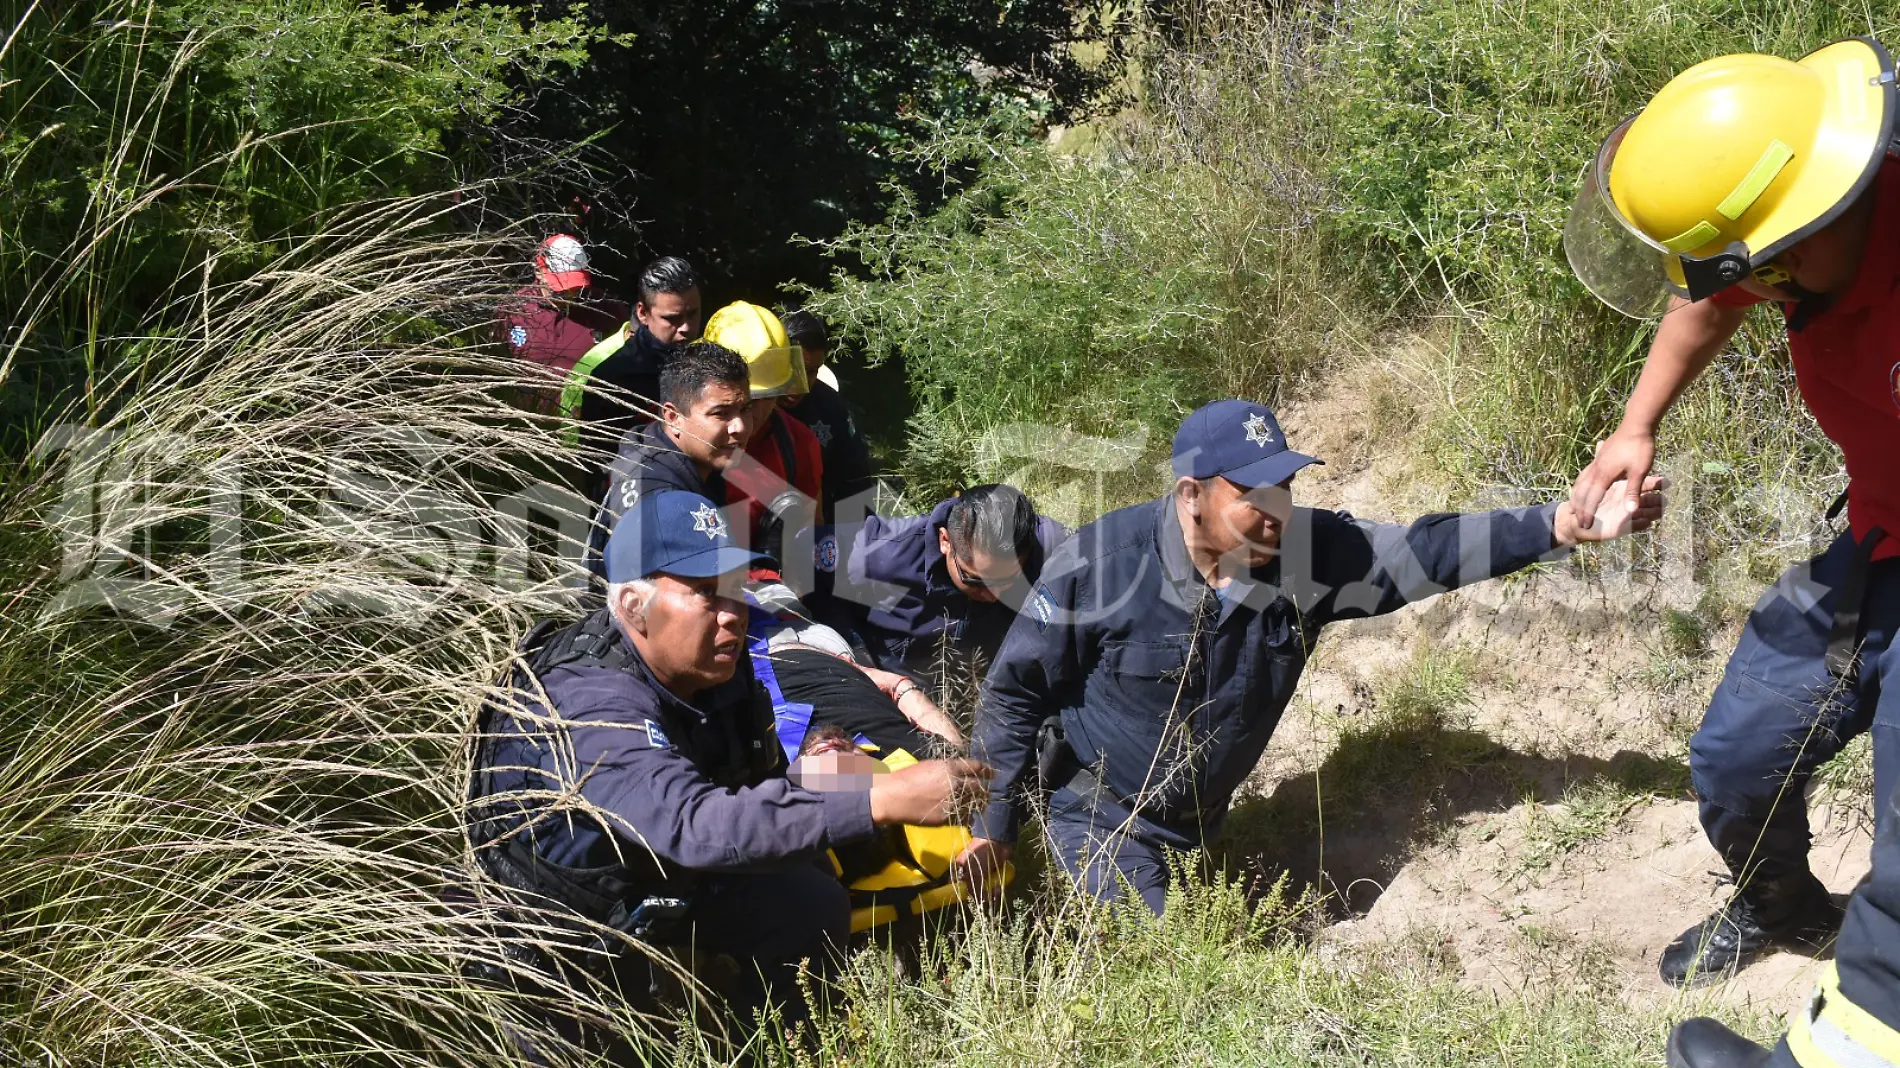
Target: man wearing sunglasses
<point x="930" y="596"/>
<point x="1747" y="179"/>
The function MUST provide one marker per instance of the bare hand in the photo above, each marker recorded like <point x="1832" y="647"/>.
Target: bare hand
<point x="979" y="861"/>
<point x="1626" y="457"/>
<point x="931" y="793"/>
<point x="1614" y="521"/>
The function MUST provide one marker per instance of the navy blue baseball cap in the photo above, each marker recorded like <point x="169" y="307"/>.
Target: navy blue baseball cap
<point x="1237" y="440"/>
<point x="674" y="532"/>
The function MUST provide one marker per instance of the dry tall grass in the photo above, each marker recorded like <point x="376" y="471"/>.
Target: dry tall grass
<point x="250" y="615"/>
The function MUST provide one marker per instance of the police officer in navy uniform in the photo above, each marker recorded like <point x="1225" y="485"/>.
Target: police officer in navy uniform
<point x="632" y="777"/>
<point x="1165" y="640"/>
<point x="922" y="595"/>
<point x="702" y="430"/>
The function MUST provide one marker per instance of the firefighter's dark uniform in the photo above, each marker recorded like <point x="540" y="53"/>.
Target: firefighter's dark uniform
<point x="1850" y="1021"/>
<point x="847" y="458"/>
<point x="1816" y="665"/>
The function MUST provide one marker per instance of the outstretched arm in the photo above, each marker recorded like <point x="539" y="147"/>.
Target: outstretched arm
<point x="1364" y="569"/>
<point x="1686" y="343"/>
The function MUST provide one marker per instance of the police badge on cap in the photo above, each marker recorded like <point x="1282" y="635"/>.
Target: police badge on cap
<point x="1238" y="440"/>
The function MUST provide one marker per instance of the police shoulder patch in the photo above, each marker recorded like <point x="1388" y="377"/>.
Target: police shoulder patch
<point x="1043" y="608"/>
<point x="656" y="736"/>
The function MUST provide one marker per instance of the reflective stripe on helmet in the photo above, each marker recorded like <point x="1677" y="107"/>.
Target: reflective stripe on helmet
<point x="1833" y="1032"/>
<point x="1730" y="164"/>
<point x="1749" y="189"/>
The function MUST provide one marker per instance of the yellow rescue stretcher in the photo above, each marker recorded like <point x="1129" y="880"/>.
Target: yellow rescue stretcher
<point x="906" y="870"/>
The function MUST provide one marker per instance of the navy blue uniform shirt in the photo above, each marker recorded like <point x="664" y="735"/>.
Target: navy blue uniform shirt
<point x="636" y="368"/>
<point x="1172" y="715"/>
<point x="648" y="462"/>
<point x="898" y="565"/>
<point x="643" y="763"/>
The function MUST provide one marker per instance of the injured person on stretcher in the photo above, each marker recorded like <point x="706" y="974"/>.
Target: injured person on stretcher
<point x="842" y="723"/>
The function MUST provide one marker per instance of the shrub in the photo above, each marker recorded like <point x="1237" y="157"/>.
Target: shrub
<point x="1105" y="294"/>
<point x="248" y="618"/>
<point x="151" y="151"/>
<point x="1220" y="981"/>
<point x="1462" y="130"/>
<point x="1298" y="180"/>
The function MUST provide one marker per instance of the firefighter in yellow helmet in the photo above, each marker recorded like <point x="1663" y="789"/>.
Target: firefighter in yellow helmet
<point x="785" y="483"/>
<point x="1749" y="179"/>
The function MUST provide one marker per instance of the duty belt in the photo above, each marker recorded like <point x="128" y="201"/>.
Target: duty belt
<point x="1058" y="765"/>
<point x="590" y="896"/>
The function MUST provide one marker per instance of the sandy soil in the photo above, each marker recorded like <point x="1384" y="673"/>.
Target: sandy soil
<point x="1564" y="686"/>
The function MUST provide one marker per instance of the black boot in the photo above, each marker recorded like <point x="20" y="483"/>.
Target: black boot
<point x="1703" y="1043"/>
<point x="1793" y="913"/>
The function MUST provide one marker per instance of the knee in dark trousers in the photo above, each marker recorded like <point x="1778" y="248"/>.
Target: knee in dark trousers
<point x="767" y="923"/>
<point x="770" y="923"/>
<point x="1778" y="715"/>
<point x="1102" y="857"/>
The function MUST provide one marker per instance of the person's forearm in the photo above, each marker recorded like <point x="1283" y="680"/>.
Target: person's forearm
<point x="690" y="822"/>
<point x="1687" y="341"/>
<point x="916" y="704"/>
<point x="923" y="713"/>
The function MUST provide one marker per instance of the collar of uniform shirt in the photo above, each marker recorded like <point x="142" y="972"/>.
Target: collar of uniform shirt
<point x="702" y="707"/>
<point x="1184" y="583"/>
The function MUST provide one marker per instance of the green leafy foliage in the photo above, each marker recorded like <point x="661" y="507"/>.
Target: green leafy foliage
<point x="724" y="127"/>
<point x="1104" y="293"/>
<point x="149" y="150"/>
<point x="1221" y="981"/>
<point x="1091" y="335"/>
<point x="1296" y="183"/>
<point x="1462" y="130"/>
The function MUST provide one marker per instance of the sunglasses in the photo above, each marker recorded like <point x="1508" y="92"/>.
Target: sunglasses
<point x="979" y="582"/>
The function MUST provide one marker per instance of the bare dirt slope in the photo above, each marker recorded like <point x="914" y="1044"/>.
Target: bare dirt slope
<point x="1498" y="777"/>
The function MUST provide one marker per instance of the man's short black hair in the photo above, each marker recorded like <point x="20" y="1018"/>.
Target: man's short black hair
<point x="694" y="367"/>
<point x="995" y="519"/>
<point x="807" y="330"/>
<point x="668" y="274"/>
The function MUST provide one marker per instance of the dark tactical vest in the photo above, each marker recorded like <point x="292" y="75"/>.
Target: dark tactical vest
<point x="639" y="896"/>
